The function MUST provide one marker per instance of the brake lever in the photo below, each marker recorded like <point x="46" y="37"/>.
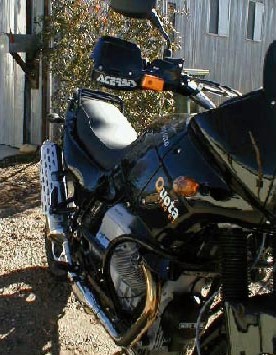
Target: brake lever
<point x="222" y="90"/>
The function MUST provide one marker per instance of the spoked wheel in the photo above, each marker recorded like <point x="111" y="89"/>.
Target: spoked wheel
<point x="55" y="256"/>
<point x="214" y="340"/>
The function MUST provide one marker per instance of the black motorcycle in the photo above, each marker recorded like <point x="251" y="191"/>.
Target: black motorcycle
<point x="168" y="238"/>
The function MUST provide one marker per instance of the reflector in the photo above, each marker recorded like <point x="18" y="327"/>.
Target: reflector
<point x="185" y="186"/>
<point x="154" y="83"/>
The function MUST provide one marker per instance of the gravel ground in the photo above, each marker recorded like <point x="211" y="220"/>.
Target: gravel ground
<point x="37" y="314"/>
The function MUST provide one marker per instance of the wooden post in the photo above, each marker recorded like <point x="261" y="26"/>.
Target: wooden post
<point x="46" y="87"/>
<point x="25" y="43"/>
<point x="29" y="44"/>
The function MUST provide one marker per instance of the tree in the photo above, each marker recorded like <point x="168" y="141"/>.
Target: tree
<point x="73" y="29"/>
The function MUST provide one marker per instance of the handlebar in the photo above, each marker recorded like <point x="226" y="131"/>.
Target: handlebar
<point x="186" y="86"/>
<point x="166" y="75"/>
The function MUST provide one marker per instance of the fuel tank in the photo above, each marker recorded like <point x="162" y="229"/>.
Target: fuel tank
<point x="167" y="153"/>
<point x="240" y="135"/>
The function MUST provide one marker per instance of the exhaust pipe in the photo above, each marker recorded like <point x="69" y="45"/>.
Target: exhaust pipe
<point x="142" y="324"/>
<point x="52" y="188"/>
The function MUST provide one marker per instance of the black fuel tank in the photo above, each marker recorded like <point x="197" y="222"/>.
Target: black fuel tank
<point x="241" y="136"/>
<point x="166" y="152"/>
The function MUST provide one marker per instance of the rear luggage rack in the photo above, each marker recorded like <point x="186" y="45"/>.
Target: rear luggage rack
<point x="100" y="95"/>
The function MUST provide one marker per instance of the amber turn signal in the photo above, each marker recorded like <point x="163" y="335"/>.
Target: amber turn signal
<point x="151" y="82"/>
<point x="185" y="186"/>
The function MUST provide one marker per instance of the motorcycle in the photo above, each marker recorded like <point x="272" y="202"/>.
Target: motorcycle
<point x="167" y="237"/>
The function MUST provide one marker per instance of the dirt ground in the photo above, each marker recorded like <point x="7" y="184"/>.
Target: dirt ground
<point x="37" y="314"/>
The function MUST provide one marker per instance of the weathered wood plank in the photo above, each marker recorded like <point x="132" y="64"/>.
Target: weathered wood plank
<point x="24" y="43"/>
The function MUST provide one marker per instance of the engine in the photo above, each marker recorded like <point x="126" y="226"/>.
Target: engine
<point x="124" y="267"/>
<point x="127" y="276"/>
<point x="174" y="324"/>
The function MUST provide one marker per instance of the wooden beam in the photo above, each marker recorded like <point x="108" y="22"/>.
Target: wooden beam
<point x="46" y="87"/>
<point x="24" y="43"/>
<point x="29" y="44"/>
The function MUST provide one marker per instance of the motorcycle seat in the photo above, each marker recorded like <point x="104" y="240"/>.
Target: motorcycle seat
<point x="104" y="131"/>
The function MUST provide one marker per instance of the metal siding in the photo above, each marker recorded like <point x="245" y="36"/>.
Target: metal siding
<point x="12" y="78"/>
<point x="233" y="59"/>
<point x="36" y="114"/>
<point x="12" y="17"/>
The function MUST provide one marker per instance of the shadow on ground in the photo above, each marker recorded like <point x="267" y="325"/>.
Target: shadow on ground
<point x="20" y="189"/>
<point x="31" y="302"/>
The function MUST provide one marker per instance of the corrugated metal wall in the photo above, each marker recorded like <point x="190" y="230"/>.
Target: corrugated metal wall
<point x="233" y="59"/>
<point x="12" y="78"/>
<point x="13" y="97"/>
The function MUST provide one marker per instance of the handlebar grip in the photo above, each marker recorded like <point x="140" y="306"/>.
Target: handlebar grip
<point x="188" y="87"/>
<point x="203" y="100"/>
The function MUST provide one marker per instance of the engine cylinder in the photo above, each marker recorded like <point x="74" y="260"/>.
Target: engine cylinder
<point x="127" y="276"/>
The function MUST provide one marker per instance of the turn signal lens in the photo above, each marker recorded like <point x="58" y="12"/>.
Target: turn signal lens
<point x="185" y="186"/>
<point x="151" y="82"/>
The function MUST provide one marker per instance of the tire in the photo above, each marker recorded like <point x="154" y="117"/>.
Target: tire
<point x="54" y="267"/>
<point x="214" y="340"/>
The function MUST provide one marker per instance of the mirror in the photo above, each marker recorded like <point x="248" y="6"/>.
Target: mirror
<point x="133" y="8"/>
<point x="144" y="9"/>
